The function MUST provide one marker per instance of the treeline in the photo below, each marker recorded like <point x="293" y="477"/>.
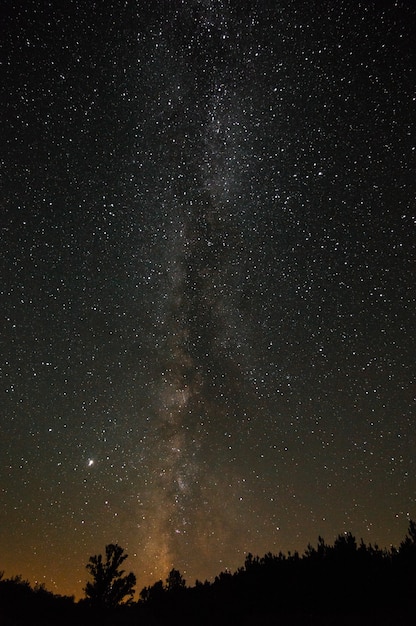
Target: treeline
<point x="20" y="603"/>
<point x="346" y="583"/>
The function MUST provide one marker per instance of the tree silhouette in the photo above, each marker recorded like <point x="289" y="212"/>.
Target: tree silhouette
<point x="175" y="580"/>
<point x="408" y="545"/>
<point x="356" y="582"/>
<point x="109" y="586"/>
<point x="153" y="593"/>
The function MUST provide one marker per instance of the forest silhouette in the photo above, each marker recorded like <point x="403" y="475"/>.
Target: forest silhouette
<point x="346" y="583"/>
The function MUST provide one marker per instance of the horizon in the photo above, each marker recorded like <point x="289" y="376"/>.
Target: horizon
<point x="192" y="580"/>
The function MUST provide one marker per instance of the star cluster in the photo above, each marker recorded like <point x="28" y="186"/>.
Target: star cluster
<point x="207" y="281"/>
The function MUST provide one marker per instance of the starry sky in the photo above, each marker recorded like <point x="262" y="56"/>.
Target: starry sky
<point x="207" y="281"/>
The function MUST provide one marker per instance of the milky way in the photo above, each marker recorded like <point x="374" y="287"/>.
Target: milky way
<point x="199" y="343"/>
<point x="207" y="282"/>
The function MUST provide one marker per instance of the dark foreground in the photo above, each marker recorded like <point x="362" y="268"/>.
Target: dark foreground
<point x="344" y="584"/>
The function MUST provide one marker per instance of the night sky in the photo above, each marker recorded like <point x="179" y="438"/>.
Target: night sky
<point x="207" y="281"/>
